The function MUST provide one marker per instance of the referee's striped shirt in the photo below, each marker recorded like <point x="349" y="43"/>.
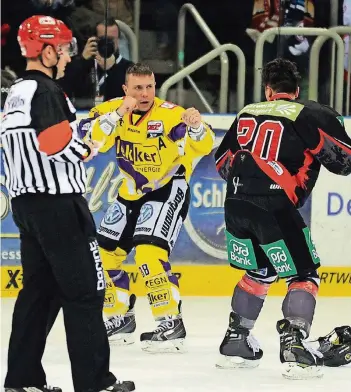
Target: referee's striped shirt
<point x="41" y="151"/>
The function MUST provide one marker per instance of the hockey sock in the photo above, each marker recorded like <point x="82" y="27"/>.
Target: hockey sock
<point x="248" y="298"/>
<point x="300" y="302"/>
<point x="161" y="286"/>
<point x="117" y="282"/>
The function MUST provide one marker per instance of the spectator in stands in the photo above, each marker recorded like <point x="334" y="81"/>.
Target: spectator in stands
<point x="98" y="73"/>
<point x="117" y="9"/>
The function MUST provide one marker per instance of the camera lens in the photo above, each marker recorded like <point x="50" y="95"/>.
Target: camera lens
<point x="106" y="47"/>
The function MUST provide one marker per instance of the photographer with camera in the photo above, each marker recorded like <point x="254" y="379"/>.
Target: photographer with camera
<point x="98" y="73"/>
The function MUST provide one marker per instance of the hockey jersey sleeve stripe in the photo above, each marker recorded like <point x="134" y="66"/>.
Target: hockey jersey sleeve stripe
<point x="302" y="176"/>
<point x="324" y="136"/>
<point x="54" y="139"/>
<point x="177" y="132"/>
<point x="223" y="164"/>
<point x="334" y="154"/>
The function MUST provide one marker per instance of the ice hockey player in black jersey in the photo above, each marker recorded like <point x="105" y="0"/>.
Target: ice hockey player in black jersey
<point x="270" y="158"/>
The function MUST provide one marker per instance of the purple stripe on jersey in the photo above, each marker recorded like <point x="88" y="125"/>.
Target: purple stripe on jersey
<point x="172" y="278"/>
<point x="177" y="132"/>
<point x="119" y="278"/>
<point x="126" y="166"/>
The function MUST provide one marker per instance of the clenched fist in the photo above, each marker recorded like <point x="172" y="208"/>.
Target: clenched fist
<point x="192" y="118"/>
<point x="128" y="105"/>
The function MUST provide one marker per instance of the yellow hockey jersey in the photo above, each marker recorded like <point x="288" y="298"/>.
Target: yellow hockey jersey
<point x="151" y="147"/>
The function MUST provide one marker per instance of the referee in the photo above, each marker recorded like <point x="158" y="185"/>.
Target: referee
<point x="45" y="177"/>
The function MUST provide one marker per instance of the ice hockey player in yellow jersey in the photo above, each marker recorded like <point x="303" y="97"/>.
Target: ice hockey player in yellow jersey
<point x="156" y="144"/>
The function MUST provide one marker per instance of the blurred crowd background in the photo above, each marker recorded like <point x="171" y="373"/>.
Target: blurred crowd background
<point x="103" y="29"/>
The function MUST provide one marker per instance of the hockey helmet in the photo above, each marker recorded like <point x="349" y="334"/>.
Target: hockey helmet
<point x="40" y="30"/>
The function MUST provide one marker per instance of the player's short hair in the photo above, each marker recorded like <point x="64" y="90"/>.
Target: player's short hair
<point x="281" y="75"/>
<point x="139" y="69"/>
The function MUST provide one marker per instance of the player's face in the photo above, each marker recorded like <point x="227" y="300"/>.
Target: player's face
<point x="50" y="56"/>
<point x="64" y="52"/>
<point x="142" y="88"/>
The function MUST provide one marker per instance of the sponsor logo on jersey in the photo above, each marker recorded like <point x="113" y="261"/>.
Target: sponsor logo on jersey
<point x="154" y="129"/>
<point x="157" y="281"/>
<point x="159" y="297"/>
<point x="281" y="261"/>
<point x="173" y="206"/>
<point x="286" y="109"/>
<point x="146" y="212"/>
<point x="275" y="186"/>
<point x="109" y="300"/>
<point x="114" y="214"/>
<point x="137" y="153"/>
<point x="276" y="167"/>
<point x="168" y="105"/>
<point x="103" y="230"/>
<point x="240" y="253"/>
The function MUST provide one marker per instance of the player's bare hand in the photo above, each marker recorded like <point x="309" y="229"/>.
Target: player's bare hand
<point x="192" y="118"/>
<point x="94" y="149"/>
<point x="128" y="105"/>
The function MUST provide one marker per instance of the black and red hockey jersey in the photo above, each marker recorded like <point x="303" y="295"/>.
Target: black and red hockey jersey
<point x="278" y="146"/>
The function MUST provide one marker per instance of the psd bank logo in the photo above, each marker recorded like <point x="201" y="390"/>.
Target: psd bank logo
<point x="205" y="223"/>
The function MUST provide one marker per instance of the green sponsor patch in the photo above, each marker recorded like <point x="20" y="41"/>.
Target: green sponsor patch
<point x="280" y="258"/>
<point x="241" y="253"/>
<point x="311" y="246"/>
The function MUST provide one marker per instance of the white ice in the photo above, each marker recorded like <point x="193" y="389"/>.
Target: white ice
<point x="206" y="322"/>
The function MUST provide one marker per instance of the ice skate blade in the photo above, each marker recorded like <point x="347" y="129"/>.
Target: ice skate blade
<point x="228" y="362"/>
<point x="176" y="346"/>
<point x="121" y="339"/>
<point x="292" y="371"/>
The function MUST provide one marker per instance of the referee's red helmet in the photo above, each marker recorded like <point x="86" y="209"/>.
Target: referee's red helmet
<point x="40" y="30"/>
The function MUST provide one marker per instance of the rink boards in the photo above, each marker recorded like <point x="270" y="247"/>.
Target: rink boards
<point x="199" y="257"/>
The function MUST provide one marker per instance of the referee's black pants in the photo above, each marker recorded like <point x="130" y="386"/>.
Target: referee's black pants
<point x="61" y="264"/>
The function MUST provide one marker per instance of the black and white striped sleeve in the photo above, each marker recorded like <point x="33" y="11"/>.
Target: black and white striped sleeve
<point x="56" y="137"/>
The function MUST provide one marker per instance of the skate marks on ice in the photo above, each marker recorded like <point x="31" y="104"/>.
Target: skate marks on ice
<point x="206" y="322"/>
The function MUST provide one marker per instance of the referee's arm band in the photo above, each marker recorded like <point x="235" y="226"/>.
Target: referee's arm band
<point x="54" y="139"/>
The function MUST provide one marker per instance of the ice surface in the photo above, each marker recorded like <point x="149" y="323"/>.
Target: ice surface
<point x="206" y="322"/>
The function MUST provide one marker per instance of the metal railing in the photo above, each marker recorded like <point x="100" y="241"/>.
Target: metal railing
<point x="334" y="10"/>
<point x="316" y="50"/>
<point x="180" y="75"/>
<point x="313" y="59"/>
<point x="133" y="42"/>
<point x="136" y="19"/>
<point x="223" y="97"/>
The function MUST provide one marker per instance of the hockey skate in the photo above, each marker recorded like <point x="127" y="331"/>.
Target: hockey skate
<point x="239" y="348"/>
<point x="121" y="386"/>
<point x="120" y="329"/>
<point x="335" y="347"/>
<point x="168" y="337"/>
<point x="299" y="361"/>
<point x="45" y="388"/>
